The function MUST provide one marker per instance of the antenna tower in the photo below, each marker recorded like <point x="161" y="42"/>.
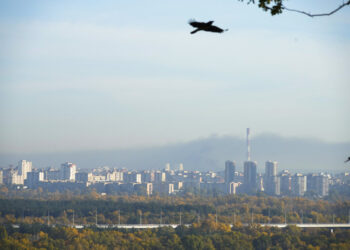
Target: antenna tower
<point x="248" y="144"/>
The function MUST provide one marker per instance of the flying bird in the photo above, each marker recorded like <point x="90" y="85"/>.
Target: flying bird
<point x="347" y="160"/>
<point x="205" y="26"/>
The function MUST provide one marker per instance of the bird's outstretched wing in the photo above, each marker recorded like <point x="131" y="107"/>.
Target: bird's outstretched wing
<point x="347" y="160"/>
<point x="213" y="28"/>
<point x="195" y="24"/>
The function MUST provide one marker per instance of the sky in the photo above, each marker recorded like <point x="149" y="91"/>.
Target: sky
<point x="86" y="75"/>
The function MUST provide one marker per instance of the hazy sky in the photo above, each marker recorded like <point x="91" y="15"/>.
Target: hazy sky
<point x="78" y="75"/>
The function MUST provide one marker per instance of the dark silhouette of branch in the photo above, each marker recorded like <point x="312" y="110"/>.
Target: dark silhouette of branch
<point x="276" y="7"/>
<point x="315" y="15"/>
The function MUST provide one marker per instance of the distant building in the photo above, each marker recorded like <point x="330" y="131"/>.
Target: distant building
<point x="23" y="168"/>
<point x="299" y="183"/>
<point x="181" y="167"/>
<point x="115" y="176"/>
<point x="68" y="171"/>
<point x="260" y="183"/>
<point x="167" y="167"/>
<point x="271" y="168"/>
<point x="83" y="177"/>
<point x="160" y="177"/>
<point x="135" y="178"/>
<point x="272" y="185"/>
<point x="132" y="177"/>
<point x="52" y="174"/>
<point x="148" y="176"/>
<point x="318" y="183"/>
<point x="230" y="169"/>
<point x="147" y="187"/>
<point x="98" y="178"/>
<point x="285" y="182"/>
<point x="322" y="185"/>
<point x="11" y="177"/>
<point x="34" y="179"/>
<point x="232" y="187"/>
<point x="164" y="188"/>
<point x="178" y="185"/>
<point x="271" y="180"/>
<point x="250" y="176"/>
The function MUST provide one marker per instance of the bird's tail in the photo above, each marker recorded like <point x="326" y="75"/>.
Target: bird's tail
<point x="225" y="30"/>
<point x="191" y="20"/>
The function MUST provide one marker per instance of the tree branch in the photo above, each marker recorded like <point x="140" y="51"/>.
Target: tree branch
<point x="316" y="15"/>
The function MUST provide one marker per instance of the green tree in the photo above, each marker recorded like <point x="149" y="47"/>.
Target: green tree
<point x="3" y="233"/>
<point x="197" y="242"/>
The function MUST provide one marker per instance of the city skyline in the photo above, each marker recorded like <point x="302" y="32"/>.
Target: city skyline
<point x="172" y="180"/>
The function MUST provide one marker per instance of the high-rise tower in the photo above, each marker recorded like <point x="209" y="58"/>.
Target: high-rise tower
<point x="230" y="169"/>
<point x="250" y="171"/>
<point x="271" y="180"/>
<point x="270" y="168"/>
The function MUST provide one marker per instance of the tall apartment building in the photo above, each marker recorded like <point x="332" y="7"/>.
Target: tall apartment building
<point x="230" y="169"/>
<point x="318" y="183"/>
<point x="250" y="176"/>
<point x="115" y="176"/>
<point x="160" y="177"/>
<point x="163" y="188"/>
<point x="322" y="185"/>
<point x="271" y="180"/>
<point x="52" y="174"/>
<point x="271" y="168"/>
<point x="148" y="176"/>
<point x="24" y="167"/>
<point x="299" y="184"/>
<point x="68" y="171"/>
<point x="134" y="177"/>
<point x="83" y="177"/>
<point x="34" y="178"/>
<point x="285" y="182"/>
<point x="11" y="177"/>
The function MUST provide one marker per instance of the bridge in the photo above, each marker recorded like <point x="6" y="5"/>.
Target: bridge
<point x="314" y="225"/>
<point x="151" y="226"/>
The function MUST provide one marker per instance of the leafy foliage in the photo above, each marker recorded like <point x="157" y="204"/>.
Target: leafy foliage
<point x="193" y="237"/>
<point x="273" y="6"/>
<point x="128" y="209"/>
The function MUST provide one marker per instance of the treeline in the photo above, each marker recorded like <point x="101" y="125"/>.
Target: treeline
<point x="153" y="210"/>
<point x="205" y="235"/>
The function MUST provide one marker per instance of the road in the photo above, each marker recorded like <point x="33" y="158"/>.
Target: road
<point x="150" y="226"/>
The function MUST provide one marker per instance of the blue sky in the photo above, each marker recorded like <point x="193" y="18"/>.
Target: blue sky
<point x="78" y="75"/>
